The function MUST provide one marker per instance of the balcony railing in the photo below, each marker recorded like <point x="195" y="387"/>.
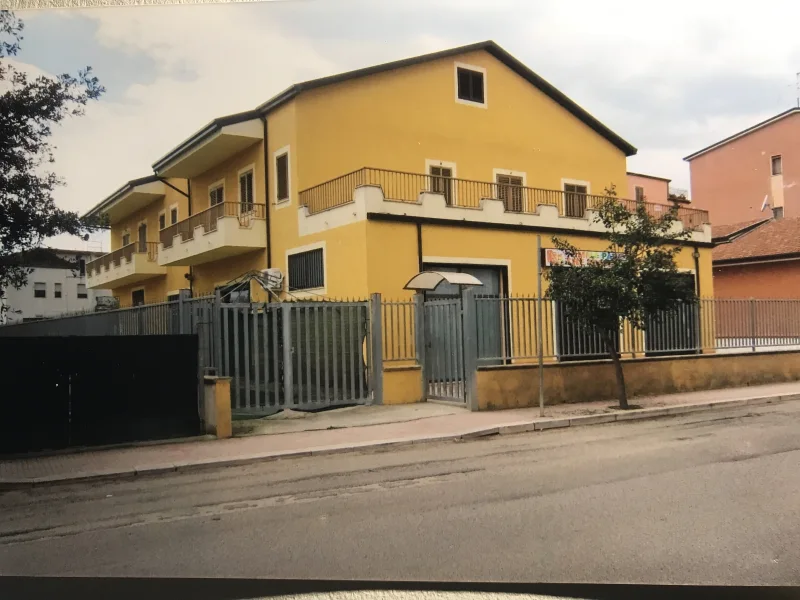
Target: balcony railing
<point x="466" y="193"/>
<point x="113" y="258"/>
<point x="207" y="219"/>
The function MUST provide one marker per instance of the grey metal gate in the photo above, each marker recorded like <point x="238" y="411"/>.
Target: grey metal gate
<point x="305" y="355"/>
<point x="444" y="349"/>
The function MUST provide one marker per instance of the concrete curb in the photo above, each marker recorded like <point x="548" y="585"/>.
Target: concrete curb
<point x="509" y="429"/>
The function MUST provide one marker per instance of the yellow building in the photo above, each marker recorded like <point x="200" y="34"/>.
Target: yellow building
<point x="349" y="185"/>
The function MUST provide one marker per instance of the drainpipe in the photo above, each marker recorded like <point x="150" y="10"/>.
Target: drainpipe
<point x="696" y="256"/>
<point x="419" y="248"/>
<point x="699" y="342"/>
<point x="189" y="202"/>
<point x="266" y="194"/>
<point x="180" y="191"/>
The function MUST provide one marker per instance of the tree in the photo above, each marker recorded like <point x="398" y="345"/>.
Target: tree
<point x="29" y="108"/>
<point x="635" y="281"/>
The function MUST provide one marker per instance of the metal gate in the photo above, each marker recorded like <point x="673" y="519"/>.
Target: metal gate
<point x="303" y="355"/>
<point x="444" y="349"/>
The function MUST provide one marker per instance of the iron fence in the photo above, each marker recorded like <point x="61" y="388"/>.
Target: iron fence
<point x="508" y="330"/>
<point x="398" y="318"/>
<point x="407" y="187"/>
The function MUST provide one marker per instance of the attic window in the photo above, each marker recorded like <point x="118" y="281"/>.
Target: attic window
<point x="470" y="84"/>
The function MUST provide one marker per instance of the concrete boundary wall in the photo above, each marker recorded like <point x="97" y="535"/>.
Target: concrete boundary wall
<point x="517" y="386"/>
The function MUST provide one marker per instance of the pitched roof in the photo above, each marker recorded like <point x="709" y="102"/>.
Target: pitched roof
<point x="648" y="176"/>
<point x="489" y="46"/>
<point x="744" y="132"/>
<point x="725" y="232"/>
<point x="774" y="239"/>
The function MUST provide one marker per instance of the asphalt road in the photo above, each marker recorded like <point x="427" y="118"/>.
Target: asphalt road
<point x="707" y="498"/>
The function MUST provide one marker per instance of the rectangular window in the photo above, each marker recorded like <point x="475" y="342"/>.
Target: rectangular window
<point x="509" y="190"/>
<point x="574" y="200"/>
<point x="82" y="293"/>
<point x="307" y="270"/>
<point x="57" y="290"/>
<point x="777" y="165"/>
<point x="82" y="267"/>
<point x="216" y="196"/>
<point x="282" y="174"/>
<point x="246" y="191"/>
<point x="470" y="85"/>
<point x="442" y="182"/>
<point x="639" y="193"/>
<point x="40" y="290"/>
<point x="162" y="220"/>
<point x="126" y="238"/>
<point x="173" y="215"/>
<point x="137" y="297"/>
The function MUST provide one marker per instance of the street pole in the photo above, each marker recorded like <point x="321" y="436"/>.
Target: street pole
<point x="540" y="324"/>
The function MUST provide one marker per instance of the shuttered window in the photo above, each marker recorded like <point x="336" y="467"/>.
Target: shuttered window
<point x="162" y="221"/>
<point x="307" y="270"/>
<point x="216" y="196"/>
<point x="442" y="182"/>
<point x="282" y="174"/>
<point x="575" y="200"/>
<point x="246" y="191"/>
<point x="509" y="190"/>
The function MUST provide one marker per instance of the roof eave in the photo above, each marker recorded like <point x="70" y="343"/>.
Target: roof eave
<point x="116" y="195"/>
<point x="197" y="138"/>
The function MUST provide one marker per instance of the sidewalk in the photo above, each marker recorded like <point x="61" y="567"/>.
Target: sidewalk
<point x="428" y="424"/>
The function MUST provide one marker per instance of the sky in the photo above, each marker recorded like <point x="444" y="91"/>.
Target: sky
<point x="670" y="78"/>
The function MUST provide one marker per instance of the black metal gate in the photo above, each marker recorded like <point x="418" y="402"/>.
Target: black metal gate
<point x="61" y="392"/>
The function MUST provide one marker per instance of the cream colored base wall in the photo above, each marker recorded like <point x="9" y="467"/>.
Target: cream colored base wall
<point x="518" y="386"/>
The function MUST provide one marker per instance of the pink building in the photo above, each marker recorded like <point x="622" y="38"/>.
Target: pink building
<point x="648" y="187"/>
<point x="750" y="174"/>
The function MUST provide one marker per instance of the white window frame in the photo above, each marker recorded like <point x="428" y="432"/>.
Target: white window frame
<point x="78" y="291"/>
<point x="460" y="65"/>
<point x="430" y="162"/>
<point x="44" y="289"/>
<point x="215" y="186"/>
<point x="313" y="292"/>
<point x="288" y="201"/>
<point x="510" y="173"/>
<point x="251" y="168"/>
<point x="566" y="181"/>
<point x="177" y="215"/>
<point x="58" y="288"/>
<point x="126" y="231"/>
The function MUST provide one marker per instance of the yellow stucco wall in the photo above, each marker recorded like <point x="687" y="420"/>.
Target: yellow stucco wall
<point x="402" y="385"/>
<point x="518" y="387"/>
<point x="155" y="288"/>
<point x="397" y="119"/>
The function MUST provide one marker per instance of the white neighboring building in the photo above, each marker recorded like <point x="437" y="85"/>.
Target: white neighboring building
<point x="54" y="287"/>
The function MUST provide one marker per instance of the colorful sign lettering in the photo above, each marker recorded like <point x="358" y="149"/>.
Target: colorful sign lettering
<point x="556" y="257"/>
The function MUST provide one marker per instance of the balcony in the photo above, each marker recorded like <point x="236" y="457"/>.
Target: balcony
<point x="411" y="188"/>
<point x="221" y="231"/>
<point x="130" y="264"/>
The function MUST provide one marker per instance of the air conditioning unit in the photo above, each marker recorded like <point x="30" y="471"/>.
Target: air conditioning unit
<point x="274" y="279"/>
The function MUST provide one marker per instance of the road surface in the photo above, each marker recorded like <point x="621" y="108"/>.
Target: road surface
<point x="705" y="498"/>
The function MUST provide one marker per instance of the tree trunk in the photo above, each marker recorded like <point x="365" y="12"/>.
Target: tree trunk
<point x="612" y="352"/>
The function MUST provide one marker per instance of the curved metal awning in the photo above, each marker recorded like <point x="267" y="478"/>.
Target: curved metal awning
<point x="427" y="281"/>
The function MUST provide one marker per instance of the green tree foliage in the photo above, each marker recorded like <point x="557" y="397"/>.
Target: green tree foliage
<point x="639" y="280"/>
<point x="29" y="108"/>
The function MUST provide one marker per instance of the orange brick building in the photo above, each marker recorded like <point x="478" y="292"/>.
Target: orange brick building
<point x="736" y="178"/>
<point x="757" y="259"/>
